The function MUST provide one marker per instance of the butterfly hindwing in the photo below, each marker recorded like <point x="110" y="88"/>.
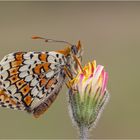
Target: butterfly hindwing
<point x="30" y="78"/>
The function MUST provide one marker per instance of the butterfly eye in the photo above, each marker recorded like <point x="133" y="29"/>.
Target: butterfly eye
<point x="74" y="49"/>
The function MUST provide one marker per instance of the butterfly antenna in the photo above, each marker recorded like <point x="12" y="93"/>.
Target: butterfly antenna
<point x="51" y="40"/>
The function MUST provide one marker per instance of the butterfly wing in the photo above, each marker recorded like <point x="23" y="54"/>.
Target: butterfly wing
<point x="8" y="102"/>
<point x="29" y="78"/>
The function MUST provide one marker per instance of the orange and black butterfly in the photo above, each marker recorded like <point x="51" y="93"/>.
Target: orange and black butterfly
<point x="31" y="81"/>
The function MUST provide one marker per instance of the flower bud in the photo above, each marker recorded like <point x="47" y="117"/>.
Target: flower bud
<point x="88" y="95"/>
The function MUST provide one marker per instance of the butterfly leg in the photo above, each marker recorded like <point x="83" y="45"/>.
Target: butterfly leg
<point x="68" y="73"/>
<point x="68" y="84"/>
<point x="78" y="62"/>
<point x="69" y="78"/>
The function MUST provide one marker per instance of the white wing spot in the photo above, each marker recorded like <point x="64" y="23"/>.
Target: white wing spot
<point x="28" y="78"/>
<point x="34" y="91"/>
<point x="50" y="74"/>
<point x="23" y="74"/>
<point x="12" y="89"/>
<point x="34" y="82"/>
<point x="4" y="75"/>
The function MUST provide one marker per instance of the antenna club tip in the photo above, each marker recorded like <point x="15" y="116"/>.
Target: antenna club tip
<point x="36" y="37"/>
<point x="79" y="42"/>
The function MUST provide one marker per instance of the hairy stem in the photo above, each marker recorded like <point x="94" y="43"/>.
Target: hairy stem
<point x="83" y="132"/>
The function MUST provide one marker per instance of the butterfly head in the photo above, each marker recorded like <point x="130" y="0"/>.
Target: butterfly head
<point x="77" y="50"/>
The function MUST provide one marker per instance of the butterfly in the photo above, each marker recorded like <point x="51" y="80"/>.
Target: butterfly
<point x="31" y="81"/>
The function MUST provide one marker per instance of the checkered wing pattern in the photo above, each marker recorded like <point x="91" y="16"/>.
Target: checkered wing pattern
<point x="31" y="80"/>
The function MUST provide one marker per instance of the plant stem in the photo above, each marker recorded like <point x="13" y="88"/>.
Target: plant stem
<point x="83" y="132"/>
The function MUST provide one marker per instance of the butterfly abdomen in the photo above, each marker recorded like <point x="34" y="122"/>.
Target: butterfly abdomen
<point x="44" y="106"/>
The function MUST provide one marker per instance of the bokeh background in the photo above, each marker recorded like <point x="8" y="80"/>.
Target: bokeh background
<point x="109" y="32"/>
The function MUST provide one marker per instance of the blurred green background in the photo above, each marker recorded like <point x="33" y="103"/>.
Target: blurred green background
<point x="109" y="32"/>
